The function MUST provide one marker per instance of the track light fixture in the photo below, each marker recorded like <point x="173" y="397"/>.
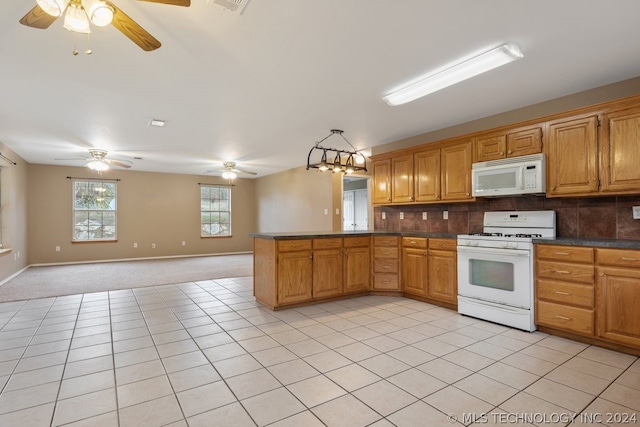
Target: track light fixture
<point x="347" y="161"/>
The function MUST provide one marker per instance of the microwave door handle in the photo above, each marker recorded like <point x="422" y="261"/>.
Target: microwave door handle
<point x="522" y="169"/>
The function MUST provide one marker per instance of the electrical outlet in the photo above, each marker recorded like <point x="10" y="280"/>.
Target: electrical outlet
<point x="424" y="216"/>
<point x="337" y="211"/>
<point x="326" y="211"/>
<point x="153" y="246"/>
<point x="184" y="243"/>
<point x="636" y="212"/>
<point x="445" y="214"/>
<point x="401" y="215"/>
<point x="57" y="248"/>
<point x="135" y="245"/>
<point x="384" y="215"/>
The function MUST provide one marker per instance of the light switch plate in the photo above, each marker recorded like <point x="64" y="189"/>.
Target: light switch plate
<point x="636" y="212"/>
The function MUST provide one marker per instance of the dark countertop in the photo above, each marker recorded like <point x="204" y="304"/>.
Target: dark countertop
<point x="593" y="242"/>
<point x="321" y="234"/>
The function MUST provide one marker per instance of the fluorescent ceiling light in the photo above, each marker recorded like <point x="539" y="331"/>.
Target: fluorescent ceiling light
<point x="456" y="73"/>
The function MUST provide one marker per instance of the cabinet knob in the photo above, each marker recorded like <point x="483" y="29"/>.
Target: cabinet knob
<point x="601" y="274"/>
<point x="510" y="151"/>
<point x="437" y="197"/>
<point x="502" y="153"/>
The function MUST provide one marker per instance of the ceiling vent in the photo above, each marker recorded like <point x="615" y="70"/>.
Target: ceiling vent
<point x="236" y="6"/>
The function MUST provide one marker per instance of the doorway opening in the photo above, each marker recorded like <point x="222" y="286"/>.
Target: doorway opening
<point x="355" y="203"/>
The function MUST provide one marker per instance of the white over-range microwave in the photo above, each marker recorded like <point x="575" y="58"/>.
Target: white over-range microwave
<point x="512" y="176"/>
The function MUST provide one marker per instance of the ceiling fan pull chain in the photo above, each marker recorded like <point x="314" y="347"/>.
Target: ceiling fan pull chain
<point x="88" y="51"/>
<point x="75" y="44"/>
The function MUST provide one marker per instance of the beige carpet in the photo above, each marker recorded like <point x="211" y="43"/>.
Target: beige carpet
<point x="59" y="280"/>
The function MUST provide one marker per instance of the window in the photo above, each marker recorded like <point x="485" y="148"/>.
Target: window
<point x="215" y="210"/>
<point x="94" y="210"/>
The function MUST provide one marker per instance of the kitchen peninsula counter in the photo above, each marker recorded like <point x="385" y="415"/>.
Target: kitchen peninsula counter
<point x="299" y="268"/>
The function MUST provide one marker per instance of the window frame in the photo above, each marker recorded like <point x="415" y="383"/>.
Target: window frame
<point x="210" y="211"/>
<point x="74" y="210"/>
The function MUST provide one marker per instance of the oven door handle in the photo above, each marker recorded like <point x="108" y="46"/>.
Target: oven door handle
<point x="494" y="251"/>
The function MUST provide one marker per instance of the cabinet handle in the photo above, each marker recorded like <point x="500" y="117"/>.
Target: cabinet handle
<point x="562" y="271"/>
<point x="628" y="259"/>
<point x="563" y="253"/>
<point x="563" y="293"/>
<point x="562" y="317"/>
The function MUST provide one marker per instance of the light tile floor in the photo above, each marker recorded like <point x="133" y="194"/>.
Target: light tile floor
<point x="206" y="354"/>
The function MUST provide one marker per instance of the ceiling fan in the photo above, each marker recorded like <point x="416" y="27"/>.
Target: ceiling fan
<point x="79" y="13"/>
<point x="230" y="171"/>
<point x="98" y="161"/>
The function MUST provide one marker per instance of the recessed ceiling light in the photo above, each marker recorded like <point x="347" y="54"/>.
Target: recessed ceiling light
<point x="158" y="123"/>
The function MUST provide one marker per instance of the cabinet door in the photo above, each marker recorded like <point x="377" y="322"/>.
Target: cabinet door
<point x="357" y="269"/>
<point x="381" y="171"/>
<point x="621" y="152"/>
<point x="617" y="305"/>
<point x="456" y="171"/>
<point x="524" y="142"/>
<point x="443" y="276"/>
<point x="427" y="175"/>
<point x="414" y="271"/>
<point x="490" y="147"/>
<point x="572" y="163"/>
<point x="327" y="273"/>
<point x="294" y="277"/>
<point x="402" y="179"/>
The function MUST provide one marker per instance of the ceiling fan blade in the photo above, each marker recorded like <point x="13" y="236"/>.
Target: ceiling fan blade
<point x="133" y="30"/>
<point x="120" y="164"/>
<point x="38" y="18"/>
<point x="245" y="171"/>
<point x="185" y="3"/>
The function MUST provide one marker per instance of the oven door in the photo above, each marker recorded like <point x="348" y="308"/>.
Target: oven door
<point x="503" y="276"/>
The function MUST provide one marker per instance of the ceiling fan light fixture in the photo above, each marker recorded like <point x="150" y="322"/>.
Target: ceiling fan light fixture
<point x="53" y="7"/>
<point x="100" y="13"/>
<point x="76" y="19"/>
<point x="459" y="71"/>
<point x="229" y="175"/>
<point x="98" y="165"/>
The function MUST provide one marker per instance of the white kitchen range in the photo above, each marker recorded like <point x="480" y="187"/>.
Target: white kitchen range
<point x="495" y="267"/>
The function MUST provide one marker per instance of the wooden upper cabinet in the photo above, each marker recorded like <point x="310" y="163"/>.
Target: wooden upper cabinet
<point x="456" y="171"/>
<point x="572" y="157"/>
<point x="490" y="147"/>
<point x="524" y="142"/>
<point x="427" y="175"/>
<point x="501" y="145"/>
<point x="381" y="172"/>
<point x="402" y="179"/>
<point x="620" y="171"/>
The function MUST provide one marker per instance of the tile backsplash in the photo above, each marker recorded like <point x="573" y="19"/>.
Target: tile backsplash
<point x="592" y="217"/>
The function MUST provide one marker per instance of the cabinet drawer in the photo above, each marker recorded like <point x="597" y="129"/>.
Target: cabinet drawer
<point x="414" y="242"/>
<point x="572" y="319"/>
<point x="444" y="244"/>
<point x="565" y="253"/>
<point x="385" y="241"/>
<point x="332" y="243"/>
<point x="564" y="271"/>
<point x="385" y="252"/>
<point x="356" y="242"/>
<point x="385" y="265"/>
<point x="294" y="245"/>
<point x="565" y="293"/>
<point x="618" y="257"/>
<point x="386" y="281"/>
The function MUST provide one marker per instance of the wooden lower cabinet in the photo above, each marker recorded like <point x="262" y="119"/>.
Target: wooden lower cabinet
<point x="414" y="266"/>
<point x="295" y="277"/>
<point x="386" y="263"/>
<point x="357" y="264"/>
<point x="565" y="288"/>
<point x="327" y="273"/>
<point x="442" y="271"/>
<point x="618" y="295"/>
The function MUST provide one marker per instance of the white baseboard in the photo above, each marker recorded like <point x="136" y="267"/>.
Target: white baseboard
<point x="13" y="275"/>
